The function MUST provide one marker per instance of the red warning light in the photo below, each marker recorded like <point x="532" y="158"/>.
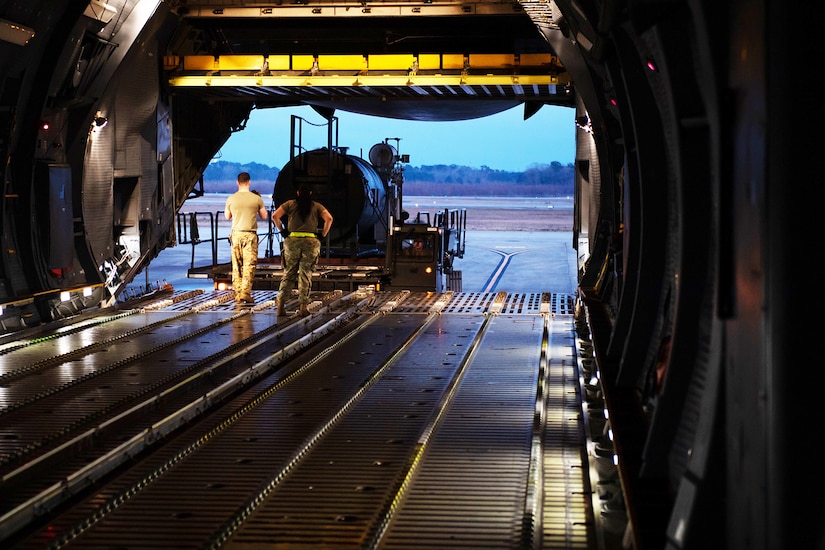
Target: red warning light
<point x="44" y="125"/>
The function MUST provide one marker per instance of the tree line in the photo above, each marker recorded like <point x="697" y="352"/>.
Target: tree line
<point x="548" y="180"/>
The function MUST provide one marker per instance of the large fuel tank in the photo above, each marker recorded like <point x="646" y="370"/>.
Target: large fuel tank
<point x="348" y="186"/>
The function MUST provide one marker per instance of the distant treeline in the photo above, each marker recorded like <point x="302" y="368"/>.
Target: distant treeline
<point x="548" y="180"/>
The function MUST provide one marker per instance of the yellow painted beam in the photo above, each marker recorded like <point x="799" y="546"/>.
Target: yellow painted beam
<point x="491" y="61"/>
<point x="279" y="62"/>
<point x="390" y="62"/>
<point x="359" y="63"/>
<point x="536" y="60"/>
<point x="429" y="62"/>
<point x="199" y="63"/>
<point x="240" y="62"/>
<point x="302" y="62"/>
<point x="452" y="61"/>
<point x="171" y="62"/>
<point x="362" y="80"/>
<point x="342" y="62"/>
<point x="347" y="8"/>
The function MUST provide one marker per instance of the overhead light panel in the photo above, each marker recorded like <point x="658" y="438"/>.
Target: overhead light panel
<point x="15" y="33"/>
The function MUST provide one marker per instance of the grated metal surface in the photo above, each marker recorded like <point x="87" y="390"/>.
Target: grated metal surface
<point x="218" y="300"/>
<point x="453" y="422"/>
<point x="472" y="487"/>
<point x="471" y="484"/>
<point x="567" y="515"/>
<point x="529" y="303"/>
<point x="337" y="493"/>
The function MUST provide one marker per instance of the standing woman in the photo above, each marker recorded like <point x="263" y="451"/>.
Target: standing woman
<point x="301" y="244"/>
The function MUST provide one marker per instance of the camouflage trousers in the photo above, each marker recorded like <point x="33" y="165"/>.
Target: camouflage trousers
<point x="299" y="258"/>
<point x="244" y="261"/>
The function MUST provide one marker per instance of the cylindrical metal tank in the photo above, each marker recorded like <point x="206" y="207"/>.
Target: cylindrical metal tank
<point x="349" y="187"/>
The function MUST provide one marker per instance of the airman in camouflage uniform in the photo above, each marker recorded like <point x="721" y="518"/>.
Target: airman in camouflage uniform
<point x="243" y="207"/>
<point x="301" y="244"/>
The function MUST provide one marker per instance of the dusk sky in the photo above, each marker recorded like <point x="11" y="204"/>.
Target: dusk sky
<point x="504" y="141"/>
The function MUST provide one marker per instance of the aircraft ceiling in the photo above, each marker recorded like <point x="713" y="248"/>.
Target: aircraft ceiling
<point x="489" y="57"/>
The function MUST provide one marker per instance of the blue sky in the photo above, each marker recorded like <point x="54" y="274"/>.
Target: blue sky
<point x="504" y="141"/>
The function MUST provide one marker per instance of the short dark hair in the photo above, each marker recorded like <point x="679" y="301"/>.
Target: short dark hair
<point x="243" y="177"/>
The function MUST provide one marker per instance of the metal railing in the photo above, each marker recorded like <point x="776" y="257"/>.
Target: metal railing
<point x="188" y="226"/>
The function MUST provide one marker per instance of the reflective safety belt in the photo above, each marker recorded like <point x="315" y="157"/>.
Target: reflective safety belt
<point x="301" y="234"/>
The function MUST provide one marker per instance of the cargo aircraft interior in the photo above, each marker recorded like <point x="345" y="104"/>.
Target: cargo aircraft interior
<point x="696" y="135"/>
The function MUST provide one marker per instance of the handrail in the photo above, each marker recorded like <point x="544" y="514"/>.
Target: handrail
<point x="188" y="232"/>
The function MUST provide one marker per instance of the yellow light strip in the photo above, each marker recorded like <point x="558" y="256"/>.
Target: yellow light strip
<point x="362" y="80"/>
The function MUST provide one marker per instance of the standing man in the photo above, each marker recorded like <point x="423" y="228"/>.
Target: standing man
<point x="301" y="244"/>
<point x="243" y="207"/>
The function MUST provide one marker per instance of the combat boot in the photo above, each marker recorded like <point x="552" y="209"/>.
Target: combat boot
<point x="281" y="310"/>
<point x="304" y="310"/>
